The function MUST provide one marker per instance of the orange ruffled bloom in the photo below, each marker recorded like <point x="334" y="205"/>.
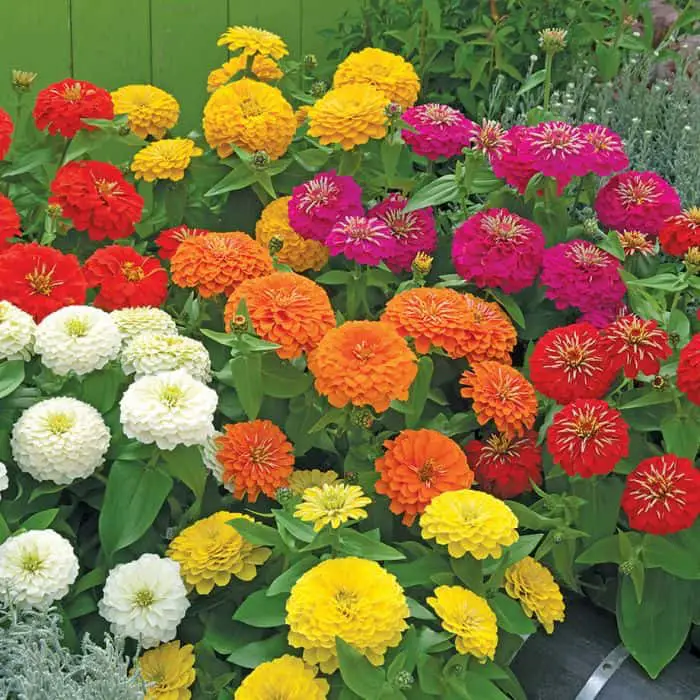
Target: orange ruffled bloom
<point x="492" y="335"/>
<point x="500" y="393"/>
<point x="256" y="457"/>
<point x="417" y="466"/>
<point x="218" y="262"/>
<point x="363" y="363"/>
<point x="285" y="308"/>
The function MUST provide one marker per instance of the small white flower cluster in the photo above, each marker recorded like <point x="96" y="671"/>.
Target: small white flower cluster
<point x="17" y="333"/>
<point x="209" y="450"/>
<point x="151" y="353"/>
<point x="143" y="319"/>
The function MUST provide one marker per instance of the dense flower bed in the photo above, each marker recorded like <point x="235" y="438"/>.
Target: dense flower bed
<point x="347" y="453"/>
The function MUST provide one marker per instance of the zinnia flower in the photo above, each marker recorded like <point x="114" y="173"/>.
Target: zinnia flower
<point x="62" y="107"/>
<point x="512" y="163"/>
<point x="469" y="617"/>
<point x="471" y="522"/>
<point x="284" y="308"/>
<point x="250" y="115"/>
<point x="496" y="248"/>
<point x="417" y="466"/>
<point x="253" y="41"/>
<point x="132" y="322"/>
<point x="317" y="204"/>
<point x="6" y="129"/>
<point x="363" y="363"/>
<point x="636" y="242"/>
<point x="39" y="279"/>
<point x="681" y="232"/>
<point x="662" y="495"/>
<point x="211" y="551"/>
<point x="286" y="677"/>
<point x="263" y="68"/>
<point x="438" y="131"/>
<point x="570" y="363"/>
<point x="302" y="479"/>
<point x="152" y="353"/>
<point x="608" y="155"/>
<point x="332" y="504"/>
<point x="364" y="239"/>
<point x="168" y="671"/>
<point x="350" y="598"/>
<point x="17" y="333"/>
<point x="688" y="374"/>
<point x="4" y="481"/>
<point x="588" y="437"/>
<point x="209" y="451"/>
<point x="350" y="116"/>
<point x="125" y="278"/>
<point x="534" y="586"/>
<point x="635" y="200"/>
<point x="491" y="334"/>
<point x="505" y="466"/>
<point x="256" y="457"/>
<point x="9" y="222"/>
<point x="500" y="393"/>
<point x="164" y="160"/>
<point x="150" y="110"/>
<point x="490" y="138"/>
<point x="169" y="239"/>
<point x="97" y="199"/>
<point x="218" y="262"/>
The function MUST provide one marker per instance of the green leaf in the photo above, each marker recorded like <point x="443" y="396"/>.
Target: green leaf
<point x="611" y="244"/>
<point x="667" y="281"/>
<point x="662" y="552"/>
<point x="260" y="610"/>
<point x="599" y="514"/>
<point x="420" y="571"/>
<point x="510" y="305"/>
<point x="530" y="519"/>
<point x="80" y="606"/>
<point x="286" y="580"/>
<point x="430" y="677"/>
<point x="419" y="392"/>
<point x="537" y="78"/>
<point x="480" y="688"/>
<point x="255" y="653"/>
<point x="41" y="520"/>
<point x="442" y="190"/>
<point x="92" y="579"/>
<point x="297" y="528"/>
<point x="608" y="60"/>
<point x="523" y="547"/>
<point x="100" y="389"/>
<point x="312" y="159"/>
<point x="681" y="435"/>
<point x="186" y="465"/>
<point x="240" y="177"/>
<point x="334" y="277"/>
<point x="30" y="161"/>
<point x="246" y="371"/>
<point x="358" y="673"/>
<point x="256" y="533"/>
<point x="11" y="376"/>
<point x="282" y="380"/>
<point x="679" y="324"/>
<point x="606" y="550"/>
<point x="358" y="544"/>
<point x="637" y="398"/>
<point x="510" y="615"/>
<point x="418" y="611"/>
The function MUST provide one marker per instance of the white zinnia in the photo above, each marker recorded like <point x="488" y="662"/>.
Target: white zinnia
<point x="77" y="339"/>
<point x="60" y="440"/>
<point x="4" y="481"/>
<point x="169" y="409"/>
<point x="209" y="450"/>
<point x="151" y="353"/>
<point x="143" y="319"/>
<point x="145" y="599"/>
<point x="37" y="567"/>
<point x="17" y="333"/>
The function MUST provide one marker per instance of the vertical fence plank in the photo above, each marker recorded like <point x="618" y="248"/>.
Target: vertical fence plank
<point x="322" y="14"/>
<point x="184" y="50"/>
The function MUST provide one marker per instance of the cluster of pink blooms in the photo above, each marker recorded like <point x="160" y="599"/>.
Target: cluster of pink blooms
<point x="437" y="131"/>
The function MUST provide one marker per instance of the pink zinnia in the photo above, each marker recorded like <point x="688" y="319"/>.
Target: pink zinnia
<point x="316" y="205"/>
<point x="438" y="130"/>
<point x="608" y="150"/>
<point x="639" y="201"/>
<point x="602" y="316"/>
<point x="364" y="239"/>
<point x="414" y="231"/>
<point x="490" y="138"/>
<point x="496" y="248"/>
<point x="513" y="164"/>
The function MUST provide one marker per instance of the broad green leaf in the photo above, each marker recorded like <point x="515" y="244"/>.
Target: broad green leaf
<point x="418" y="611"/>
<point x="611" y="244"/>
<point x="666" y="281"/>
<point x="255" y="653"/>
<point x="530" y="519"/>
<point x="671" y="556"/>
<point x="606" y="550"/>
<point x="637" y="398"/>
<point x="256" y="533"/>
<point x="681" y="435"/>
<point x="334" y="277"/>
<point x="241" y="176"/>
<point x="246" y="372"/>
<point x="599" y="514"/>
<point x="282" y="380"/>
<point x="358" y="673"/>
<point x="92" y="579"/>
<point x="510" y="615"/>
<point x="80" y="606"/>
<point x="261" y="610"/>
<point x="30" y="161"/>
<point x="430" y="679"/>
<point x="11" y="376"/>
<point x="420" y="571"/>
<point x="479" y="688"/>
<point x="186" y="464"/>
<point x="311" y="159"/>
<point x="358" y="544"/>
<point x="286" y="580"/>
<point x="510" y="305"/>
<point x="41" y="520"/>
<point x="419" y="392"/>
<point x="608" y="60"/>
<point x="537" y="78"/>
<point x="442" y="190"/>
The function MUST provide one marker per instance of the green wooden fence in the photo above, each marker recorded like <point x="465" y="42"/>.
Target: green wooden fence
<point x="169" y="43"/>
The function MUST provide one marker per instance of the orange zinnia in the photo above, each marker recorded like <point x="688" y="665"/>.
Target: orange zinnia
<point x="417" y="466"/>
<point x="218" y="262"/>
<point x="363" y="363"/>
<point x="492" y="335"/>
<point x="285" y="308"/>
<point x="256" y="456"/>
<point x="500" y="393"/>
<point x="438" y="317"/>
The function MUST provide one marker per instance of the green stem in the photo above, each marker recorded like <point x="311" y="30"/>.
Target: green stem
<point x="548" y="60"/>
<point x="263" y="196"/>
<point x="423" y="40"/>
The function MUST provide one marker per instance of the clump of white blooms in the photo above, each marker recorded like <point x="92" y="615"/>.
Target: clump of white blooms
<point x="143" y="319"/>
<point x="151" y="353"/>
<point x="78" y="339"/>
<point x="145" y="599"/>
<point x="37" y="567"/>
<point x="60" y="439"/>
<point x="169" y="409"/>
<point x="209" y="450"/>
<point x="17" y="333"/>
<point x="4" y="481"/>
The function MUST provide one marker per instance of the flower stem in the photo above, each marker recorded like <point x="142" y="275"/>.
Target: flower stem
<point x="548" y="60"/>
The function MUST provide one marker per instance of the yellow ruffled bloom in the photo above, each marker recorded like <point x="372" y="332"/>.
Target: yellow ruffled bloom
<point x="389" y="73"/>
<point x="164" y="160"/>
<point x="350" y="115"/>
<point x="151" y="111"/>
<point x="168" y="671"/>
<point x="299" y="253"/>
<point x="263" y="68"/>
<point x="253" y="41"/>
<point x="302" y="114"/>
<point x="332" y="504"/>
<point x="354" y="599"/>
<point x="287" y="677"/>
<point x="534" y="586"/>
<point x="251" y="115"/>
<point x="211" y="551"/>
<point x="302" y="479"/>
<point x="469" y="521"/>
<point x="468" y="616"/>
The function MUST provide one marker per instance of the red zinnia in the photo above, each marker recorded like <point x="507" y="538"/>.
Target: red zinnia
<point x="681" y="232"/>
<point x="570" y="363"/>
<point x="662" y="495"/>
<point x="97" y="198"/>
<point x="170" y="238"/>
<point x="505" y="466"/>
<point x="40" y="280"/>
<point x="688" y="374"/>
<point x="62" y="107"/>
<point x="125" y="278"/>
<point x="588" y="437"/>
<point x="9" y="222"/>
<point x="6" y="128"/>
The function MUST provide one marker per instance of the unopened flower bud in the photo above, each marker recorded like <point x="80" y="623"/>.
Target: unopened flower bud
<point x="393" y="110"/>
<point x="22" y="80"/>
<point x="275" y="245"/>
<point x="54" y="211"/>
<point x="310" y="61"/>
<point x="627" y="567"/>
<point x="659" y="383"/>
<point x="674" y="339"/>
<point x="351" y="478"/>
<point x="283" y="495"/>
<point x="590" y="226"/>
<point x="239" y="323"/>
<point x="558" y="539"/>
<point x="362" y="417"/>
<point x="403" y="680"/>
<point x="422" y="264"/>
<point x="692" y="259"/>
<point x="260" y="160"/>
<point x="123" y="130"/>
<point x="552" y="40"/>
<point x="319" y="88"/>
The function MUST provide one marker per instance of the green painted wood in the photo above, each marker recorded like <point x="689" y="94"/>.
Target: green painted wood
<point x="323" y="14"/>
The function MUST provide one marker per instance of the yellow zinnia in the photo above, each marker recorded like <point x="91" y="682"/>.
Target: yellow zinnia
<point x="534" y="586"/>
<point x="392" y="75"/>
<point x="263" y="68"/>
<point x="287" y="677"/>
<point x="302" y="479"/>
<point x="151" y="111"/>
<point x="469" y="521"/>
<point x="332" y="504"/>
<point x="354" y="599"/>
<point x="164" y="160"/>
<point x="253" y="41"/>
<point x="168" y="671"/>
<point x="468" y="616"/>
<point x="251" y="115"/>
<point x="211" y="551"/>
<point x="302" y="114"/>
<point x="350" y="115"/>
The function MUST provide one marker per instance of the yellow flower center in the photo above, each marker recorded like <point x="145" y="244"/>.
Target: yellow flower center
<point x="31" y="562"/>
<point x="171" y="395"/>
<point x="500" y="444"/>
<point x="363" y="352"/>
<point x="59" y="423"/>
<point x="250" y="108"/>
<point x="144" y="598"/>
<point x="132" y="272"/>
<point x="72" y="93"/>
<point x="41" y="281"/>
<point x="106" y="188"/>
<point x="77" y="327"/>
<point x="586" y="426"/>
<point x="346" y="601"/>
<point x="694" y="215"/>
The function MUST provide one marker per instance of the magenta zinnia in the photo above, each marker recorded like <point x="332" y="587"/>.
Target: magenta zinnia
<point x="364" y="239"/>
<point x="608" y="155"/>
<point x="437" y="130"/>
